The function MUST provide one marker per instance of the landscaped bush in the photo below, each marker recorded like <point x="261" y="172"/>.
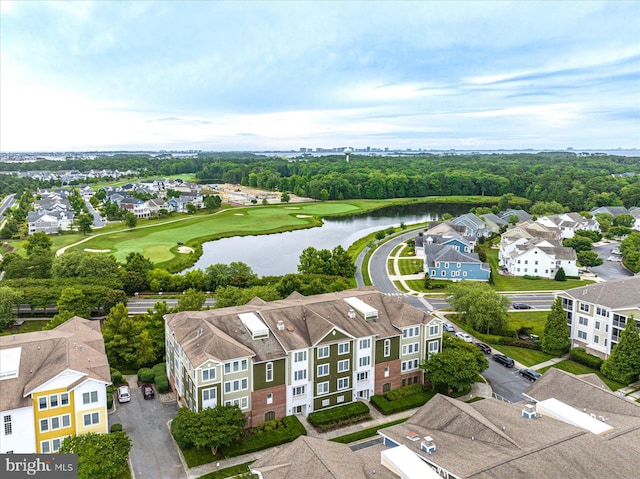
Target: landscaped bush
<point x="389" y="407"/>
<point x="116" y="427"/>
<point x="403" y="392"/>
<point x="162" y="383"/>
<point x="159" y="368"/>
<point x="116" y="377"/>
<point x="517" y="343"/>
<point x="146" y="375"/>
<point x="288" y="429"/>
<point x="109" y="397"/>
<point x="579" y="355"/>
<point x="339" y="413"/>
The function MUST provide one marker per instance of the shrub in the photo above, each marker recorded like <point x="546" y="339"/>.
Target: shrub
<point x="146" y="375"/>
<point x="162" y="383"/>
<point x="389" y="407"/>
<point x="109" y="399"/>
<point x="159" y="368"/>
<point x="289" y="429"/>
<point x="115" y="427"/>
<point x="116" y="377"/>
<point x="404" y="392"/>
<point x="339" y="413"/>
<point x="579" y="355"/>
<point x="519" y="344"/>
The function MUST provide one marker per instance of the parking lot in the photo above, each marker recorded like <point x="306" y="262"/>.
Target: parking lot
<point x="153" y="454"/>
<point x="609" y="269"/>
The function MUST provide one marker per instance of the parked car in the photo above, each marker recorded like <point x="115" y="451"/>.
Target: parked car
<point x="504" y="360"/>
<point x="147" y="391"/>
<point x="521" y="306"/>
<point x="530" y="374"/>
<point x="464" y="336"/>
<point x="124" y="395"/>
<point x="485" y="348"/>
<point x="448" y="328"/>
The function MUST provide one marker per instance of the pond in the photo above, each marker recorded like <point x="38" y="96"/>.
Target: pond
<point x="277" y="254"/>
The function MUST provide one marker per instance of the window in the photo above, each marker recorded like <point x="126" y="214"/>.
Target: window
<point x="343" y="383"/>
<point x="323" y="370"/>
<point x="343" y="348"/>
<point x="387" y="347"/>
<point x="88" y="398"/>
<point x="300" y="356"/>
<point x="597" y="324"/>
<point x="433" y="347"/>
<point x="325" y="402"/>
<point x="90" y="419"/>
<point x="386" y="387"/>
<point x="236" y="366"/>
<point x="364" y="376"/>
<point x="322" y="388"/>
<point x="299" y="390"/>
<point x="56" y="444"/>
<point x="55" y="423"/>
<point x="42" y="402"/>
<point x="434" y="330"/>
<point x="365" y="343"/>
<point x="66" y="420"/>
<point x="410" y="348"/>
<point x="596" y="339"/>
<point x="386" y="372"/>
<point x="209" y="394"/>
<point x="584" y="321"/>
<point x="343" y="365"/>
<point x="323" y="352"/>
<point x="582" y="335"/>
<point x="584" y="307"/>
<point x="53" y="400"/>
<point x="44" y="425"/>
<point x="365" y="361"/>
<point x="209" y="374"/>
<point x="64" y="399"/>
<point x="269" y="372"/>
<point x="236" y="385"/>
<point x="300" y="375"/>
<point x="269" y="398"/>
<point x="269" y="416"/>
<point x="8" y="429"/>
<point x="45" y="447"/>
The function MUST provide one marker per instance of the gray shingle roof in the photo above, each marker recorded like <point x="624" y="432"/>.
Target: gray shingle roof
<point x="616" y="294"/>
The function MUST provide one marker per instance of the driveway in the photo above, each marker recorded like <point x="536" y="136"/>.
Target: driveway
<point x="609" y="270"/>
<point x="153" y="454"/>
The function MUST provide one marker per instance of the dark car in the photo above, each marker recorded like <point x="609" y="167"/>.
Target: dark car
<point x="504" y="360"/>
<point x="521" y="306"/>
<point x="485" y="348"/>
<point x="530" y="374"/>
<point x="147" y="391"/>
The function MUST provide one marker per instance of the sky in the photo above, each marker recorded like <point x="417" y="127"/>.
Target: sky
<point x="146" y="75"/>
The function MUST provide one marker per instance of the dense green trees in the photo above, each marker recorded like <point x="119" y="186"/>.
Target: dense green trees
<point x="483" y="308"/>
<point x="623" y="365"/>
<point x="630" y="248"/>
<point x="555" y="339"/>
<point x="211" y="427"/>
<point x="100" y="456"/>
<point x="9" y="299"/>
<point x="127" y="342"/>
<point x="335" y="262"/>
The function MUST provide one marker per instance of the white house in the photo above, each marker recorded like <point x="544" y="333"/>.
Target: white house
<point x="569" y="223"/>
<point x="541" y="257"/>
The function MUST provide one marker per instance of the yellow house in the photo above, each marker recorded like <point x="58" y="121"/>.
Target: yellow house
<point x="52" y="385"/>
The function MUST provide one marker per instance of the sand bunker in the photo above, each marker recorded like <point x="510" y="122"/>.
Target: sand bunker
<point x="89" y="250"/>
<point x="291" y="208"/>
<point x="238" y="214"/>
<point x="185" y="249"/>
<point x="304" y="216"/>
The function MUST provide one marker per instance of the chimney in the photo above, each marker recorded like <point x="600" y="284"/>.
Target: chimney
<point x="351" y="314"/>
<point x="280" y="325"/>
<point x="529" y="411"/>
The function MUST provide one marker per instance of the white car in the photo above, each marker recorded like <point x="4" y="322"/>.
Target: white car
<point x="464" y="337"/>
<point x="448" y="328"/>
<point x="124" y="395"/>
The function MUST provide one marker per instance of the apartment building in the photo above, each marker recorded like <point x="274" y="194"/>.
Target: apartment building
<point x="300" y="354"/>
<point x="53" y="385"/>
<point x="597" y="313"/>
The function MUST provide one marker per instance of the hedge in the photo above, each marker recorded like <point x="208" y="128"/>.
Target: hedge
<point x="339" y="413"/>
<point x="387" y="407"/>
<point x="290" y="429"/>
<point x="162" y="383"/>
<point x="115" y="427"/>
<point x="146" y="375"/>
<point x="116" y="377"/>
<point x="159" y="368"/>
<point x="403" y="392"/>
<point x="579" y="355"/>
<point x="517" y="343"/>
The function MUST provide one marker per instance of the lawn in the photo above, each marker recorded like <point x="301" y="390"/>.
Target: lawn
<point x="390" y="268"/>
<point x="528" y="319"/>
<point x="365" y="433"/>
<point x="528" y="357"/>
<point x="232" y="471"/>
<point x="410" y="266"/>
<point x="26" y="327"/>
<point x="577" y="368"/>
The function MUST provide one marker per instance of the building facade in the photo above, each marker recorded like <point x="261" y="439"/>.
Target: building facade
<point x="53" y="385"/>
<point x="300" y="354"/>
<point x="597" y="313"/>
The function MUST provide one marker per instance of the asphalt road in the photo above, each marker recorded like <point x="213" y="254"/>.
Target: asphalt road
<point x="97" y="219"/>
<point x="609" y="270"/>
<point x="153" y="454"/>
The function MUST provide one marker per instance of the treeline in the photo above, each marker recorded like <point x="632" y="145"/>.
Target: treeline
<point x="577" y="182"/>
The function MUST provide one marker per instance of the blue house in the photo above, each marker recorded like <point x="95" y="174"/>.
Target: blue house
<point x="474" y="226"/>
<point x="446" y="262"/>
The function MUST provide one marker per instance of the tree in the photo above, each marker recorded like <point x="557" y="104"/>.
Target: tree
<point x="483" y="308"/>
<point x="324" y="194"/>
<point x="130" y="220"/>
<point x="84" y="222"/>
<point x="555" y="339"/>
<point x="630" y="248"/>
<point x="212" y="202"/>
<point x="623" y="365"/>
<point x="191" y="208"/>
<point x="560" y="275"/>
<point x="578" y="243"/>
<point x="127" y="343"/>
<point x="100" y="456"/>
<point x="58" y="319"/>
<point x="191" y="300"/>
<point x="588" y="258"/>
<point x="73" y="300"/>
<point x="285" y="198"/>
<point x="452" y="368"/>
<point x="81" y="264"/>
<point x="625" y="220"/>
<point x="427" y="281"/>
<point x="9" y="298"/>
<point x="210" y="427"/>
<point x="513" y="219"/>
<point x="591" y="234"/>
<point x="38" y="243"/>
<point x="138" y="263"/>
<point x="153" y="323"/>
<point x="605" y="221"/>
<point x="111" y="298"/>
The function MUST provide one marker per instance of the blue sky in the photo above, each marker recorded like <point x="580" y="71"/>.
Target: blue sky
<point x="270" y="75"/>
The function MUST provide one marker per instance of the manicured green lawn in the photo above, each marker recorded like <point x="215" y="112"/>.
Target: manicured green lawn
<point x="365" y="433"/>
<point x="26" y="327"/>
<point x="410" y="266"/>
<point x="397" y="249"/>
<point x="232" y="471"/>
<point x="390" y="268"/>
<point x="528" y="319"/>
<point x="400" y="287"/>
<point x="577" y="368"/>
<point x="528" y="357"/>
